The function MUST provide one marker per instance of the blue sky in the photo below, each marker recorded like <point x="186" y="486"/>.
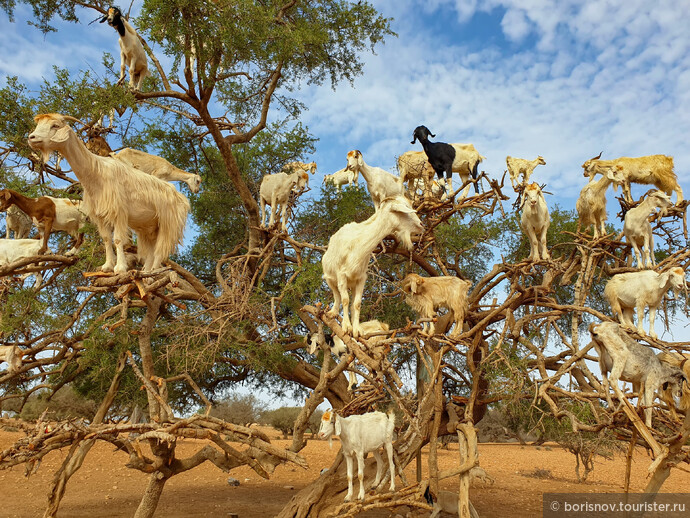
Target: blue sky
<point x="563" y="79"/>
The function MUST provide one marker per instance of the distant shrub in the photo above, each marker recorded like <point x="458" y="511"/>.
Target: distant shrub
<point x="239" y="409"/>
<point x="64" y="404"/>
<point x="283" y="419"/>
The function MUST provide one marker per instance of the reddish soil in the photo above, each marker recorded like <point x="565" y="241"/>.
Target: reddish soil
<point x="105" y="487"/>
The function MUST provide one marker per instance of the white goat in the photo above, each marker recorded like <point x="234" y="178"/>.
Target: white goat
<point x="359" y="435"/>
<point x="591" y="205"/>
<point x="12" y="250"/>
<point x="681" y="361"/>
<point x="638" y="230"/>
<point x="637" y="290"/>
<point x="346" y="260"/>
<point x="427" y="294"/>
<point x="340" y="178"/>
<point x="631" y="361"/>
<point x="292" y="167"/>
<point x="17" y="221"/>
<point x="535" y="221"/>
<point x="132" y="54"/>
<point x="653" y="169"/>
<point x="337" y="347"/>
<point x="413" y="165"/>
<point x="275" y="191"/>
<point x="117" y="197"/>
<point x="13" y="356"/>
<point x="521" y="166"/>
<point x="158" y="167"/>
<point x="380" y="182"/>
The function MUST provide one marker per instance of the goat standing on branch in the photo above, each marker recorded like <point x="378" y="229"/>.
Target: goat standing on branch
<point x="117" y="197"/>
<point x="631" y="361"/>
<point x="638" y="230"/>
<point x="460" y="158"/>
<point x="340" y="178"/>
<point x="132" y="54"/>
<point x="591" y="205"/>
<point x="346" y="260"/>
<point x="535" y="221"/>
<point x="275" y="191"/>
<point x="49" y="214"/>
<point x="426" y="294"/>
<point x="158" y="167"/>
<point x="17" y="221"/>
<point x="520" y="166"/>
<point x="637" y="290"/>
<point x="13" y="356"/>
<point x="653" y="169"/>
<point x="359" y="435"/>
<point x="380" y="182"/>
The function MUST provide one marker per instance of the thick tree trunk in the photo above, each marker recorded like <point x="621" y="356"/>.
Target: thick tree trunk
<point x="149" y="502"/>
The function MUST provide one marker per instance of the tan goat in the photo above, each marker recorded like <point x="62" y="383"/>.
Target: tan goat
<point x="535" y="221"/>
<point x="682" y="361"/>
<point x="524" y="167"/>
<point x="426" y="294"/>
<point x="649" y="170"/>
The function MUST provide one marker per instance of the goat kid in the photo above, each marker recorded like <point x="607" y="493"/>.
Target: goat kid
<point x="631" y="361"/>
<point x="535" y="221"/>
<point x="359" y="435"/>
<point x="626" y="292"/>
<point x="132" y="54"/>
<point x="346" y="259"/>
<point x="275" y="191"/>
<point x="521" y="166"/>
<point x="340" y="178"/>
<point x="591" y="205"/>
<point x="427" y="294"/>
<point x="638" y="230"/>
<point x="17" y="221"/>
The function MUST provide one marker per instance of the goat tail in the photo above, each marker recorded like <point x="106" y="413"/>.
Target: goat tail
<point x="172" y="220"/>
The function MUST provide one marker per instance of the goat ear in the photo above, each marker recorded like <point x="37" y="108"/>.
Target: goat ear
<point x="61" y="135"/>
<point x="337" y="425"/>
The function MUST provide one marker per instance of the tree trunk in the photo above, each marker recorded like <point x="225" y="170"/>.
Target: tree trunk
<point x="152" y="495"/>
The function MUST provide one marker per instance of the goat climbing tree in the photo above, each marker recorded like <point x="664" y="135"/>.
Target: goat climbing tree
<point x="236" y="305"/>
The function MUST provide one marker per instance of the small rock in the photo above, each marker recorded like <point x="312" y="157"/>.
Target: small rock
<point x="538" y="448"/>
<point x="548" y="448"/>
<point x="233" y="482"/>
<point x="289" y="487"/>
<point x="324" y="470"/>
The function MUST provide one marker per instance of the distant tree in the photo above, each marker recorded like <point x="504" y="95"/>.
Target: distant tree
<point x="241" y="409"/>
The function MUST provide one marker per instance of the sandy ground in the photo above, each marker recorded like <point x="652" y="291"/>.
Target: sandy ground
<point x="105" y="487"/>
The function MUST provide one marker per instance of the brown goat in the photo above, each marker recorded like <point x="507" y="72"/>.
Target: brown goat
<point x="426" y="294"/>
<point x="41" y="210"/>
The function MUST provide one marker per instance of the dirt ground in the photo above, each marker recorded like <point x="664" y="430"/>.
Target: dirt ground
<point x="104" y="487"/>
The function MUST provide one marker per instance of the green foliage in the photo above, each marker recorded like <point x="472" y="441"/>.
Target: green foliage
<point x="64" y="404"/>
<point x="239" y="409"/>
<point x="283" y="419"/>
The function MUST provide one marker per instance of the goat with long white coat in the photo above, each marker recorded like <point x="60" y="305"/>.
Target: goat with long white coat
<point x="631" y="361"/>
<point x="12" y="250"/>
<point x="275" y="191"/>
<point x="535" y="221"/>
<point x="522" y="166"/>
<point x="346" y="260"/>
<point x="132" y="54"/>
<point x="17" y="221"/>
<point x="591" y="205"/>
<point x="337" y="347"/>
<point x="340" y="178"/>
<point x="158" y="167"/>
<point x="13" y="356"/>
<point x="380" y="182"/>
<point x="117" y="197"/>
<point x="637" y="290"/>
<point x="359" y="435"/>
<point x="427" y="294"/>
<point x="652" y="169"/>
<point x="638" y="230"/>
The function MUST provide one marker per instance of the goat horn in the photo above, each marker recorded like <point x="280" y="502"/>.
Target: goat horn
<point x="73" y="119"/>
<point x="596" y="157"/>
